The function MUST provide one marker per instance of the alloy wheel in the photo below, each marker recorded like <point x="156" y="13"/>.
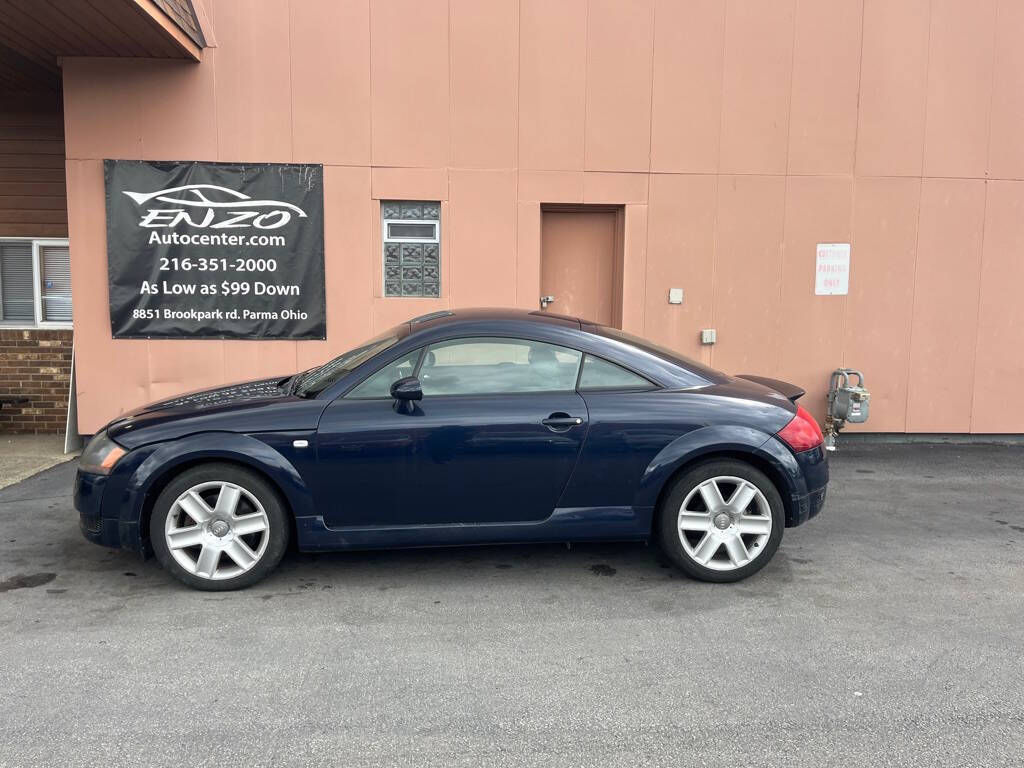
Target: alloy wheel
<point x="217" y="530"/>
<point x="724" y="523"/>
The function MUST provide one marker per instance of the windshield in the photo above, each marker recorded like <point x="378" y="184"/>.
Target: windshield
<point x="315" y="381"/>
<point x="663" y="352"/>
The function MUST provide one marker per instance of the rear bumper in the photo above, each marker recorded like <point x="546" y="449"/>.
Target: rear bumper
<point x="805" y="477"/>
<point x="806" y="507"/>
<point x="814" y="467"/>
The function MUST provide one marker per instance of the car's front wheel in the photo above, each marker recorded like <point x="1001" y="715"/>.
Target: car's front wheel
<point x="219" y="527"/>
<point x="721" y="521"/>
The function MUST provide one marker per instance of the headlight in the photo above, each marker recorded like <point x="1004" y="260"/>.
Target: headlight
<point x="100" y="455"/>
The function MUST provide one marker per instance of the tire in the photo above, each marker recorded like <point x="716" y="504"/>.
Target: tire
<point x="218" y="527"/>
<point x="726" y="540"/>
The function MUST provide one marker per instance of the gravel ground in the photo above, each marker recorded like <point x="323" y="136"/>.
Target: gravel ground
<point x="886" y="632"/>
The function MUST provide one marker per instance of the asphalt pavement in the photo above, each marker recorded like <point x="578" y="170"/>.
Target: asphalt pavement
<point x="887" y="632"/>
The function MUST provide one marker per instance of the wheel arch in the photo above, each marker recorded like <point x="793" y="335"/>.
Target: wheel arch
<point x="171" y="459"/>
<point x="751" y="446"/>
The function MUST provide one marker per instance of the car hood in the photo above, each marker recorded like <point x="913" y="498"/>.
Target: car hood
<point x="250" y="406"/>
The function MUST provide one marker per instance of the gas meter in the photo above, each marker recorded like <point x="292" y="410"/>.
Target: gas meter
<point x="847" y="402"/>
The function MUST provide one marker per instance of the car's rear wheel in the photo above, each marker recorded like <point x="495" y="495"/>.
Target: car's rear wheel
<point x="721" y="521"/>
<point x="218" y="527"/>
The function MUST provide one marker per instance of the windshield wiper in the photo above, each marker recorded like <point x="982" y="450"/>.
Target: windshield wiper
<point x="295" y="382"/>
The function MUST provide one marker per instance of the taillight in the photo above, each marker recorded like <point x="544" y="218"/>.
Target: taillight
<point x="803" y="432"/>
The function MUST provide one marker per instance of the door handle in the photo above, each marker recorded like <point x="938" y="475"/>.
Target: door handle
<point x="561" y="421"/>
<point x="545" y="300"/>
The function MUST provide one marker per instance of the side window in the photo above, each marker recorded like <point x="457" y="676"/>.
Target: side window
<point x="379" y="384"/>
<point x="600" y="374"/>
<point x="484" y="366"/>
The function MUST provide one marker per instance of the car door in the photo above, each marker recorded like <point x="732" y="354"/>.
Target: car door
<point x="494" y="439"/>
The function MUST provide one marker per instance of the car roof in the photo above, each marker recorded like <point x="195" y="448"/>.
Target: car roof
<point x="658" y="364"/>
<point x="446" y="317"/>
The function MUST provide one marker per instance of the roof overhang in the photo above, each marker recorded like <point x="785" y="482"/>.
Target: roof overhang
<point x="34" y="34"/>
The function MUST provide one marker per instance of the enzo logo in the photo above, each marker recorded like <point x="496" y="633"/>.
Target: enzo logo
<point x="194" y="206"/>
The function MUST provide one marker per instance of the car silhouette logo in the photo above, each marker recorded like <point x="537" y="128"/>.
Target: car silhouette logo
<point x="192" y="194"/>
<point x="239" y="209"/>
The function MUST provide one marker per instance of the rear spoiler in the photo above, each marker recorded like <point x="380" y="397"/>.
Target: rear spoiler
<point x="790" y="391"/>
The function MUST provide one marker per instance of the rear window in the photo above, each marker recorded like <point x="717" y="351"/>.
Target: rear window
<point x="600" y="375"/>
<point x="663" y="352"/>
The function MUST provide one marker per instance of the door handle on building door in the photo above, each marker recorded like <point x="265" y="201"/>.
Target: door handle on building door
<point x="545" y="300"/>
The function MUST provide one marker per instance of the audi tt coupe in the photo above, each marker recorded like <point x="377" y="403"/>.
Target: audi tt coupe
<point x="461" y="427"/>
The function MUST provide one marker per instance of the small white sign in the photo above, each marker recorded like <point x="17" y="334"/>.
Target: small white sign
<point x="832" y="270"/>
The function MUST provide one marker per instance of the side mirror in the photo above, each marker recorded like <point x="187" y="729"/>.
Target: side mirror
<point x="407" y="389"/>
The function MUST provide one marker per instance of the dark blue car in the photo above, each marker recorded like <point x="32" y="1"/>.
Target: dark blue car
<point x="465" y="427"/>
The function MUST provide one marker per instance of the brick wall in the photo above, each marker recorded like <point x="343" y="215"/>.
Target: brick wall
<point x="35" y="364"/>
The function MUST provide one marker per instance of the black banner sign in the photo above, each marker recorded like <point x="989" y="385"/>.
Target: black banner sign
<point x="210" y="250"/>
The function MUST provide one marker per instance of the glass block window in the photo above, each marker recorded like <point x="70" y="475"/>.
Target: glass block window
<point x="411" y="234"/>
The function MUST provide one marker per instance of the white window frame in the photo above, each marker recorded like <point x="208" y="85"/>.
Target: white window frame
<point x="384" y="239"/>
<point x="435" y="239"/>
<point x="37" y="298"/>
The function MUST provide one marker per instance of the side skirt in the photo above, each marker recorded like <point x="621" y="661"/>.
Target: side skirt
<point x="564" y="524"/>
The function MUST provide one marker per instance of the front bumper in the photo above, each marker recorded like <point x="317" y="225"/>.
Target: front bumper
<point x="88" y="498"/>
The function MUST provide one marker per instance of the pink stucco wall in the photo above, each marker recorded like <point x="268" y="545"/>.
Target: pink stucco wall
<point x="737" y="135"/>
